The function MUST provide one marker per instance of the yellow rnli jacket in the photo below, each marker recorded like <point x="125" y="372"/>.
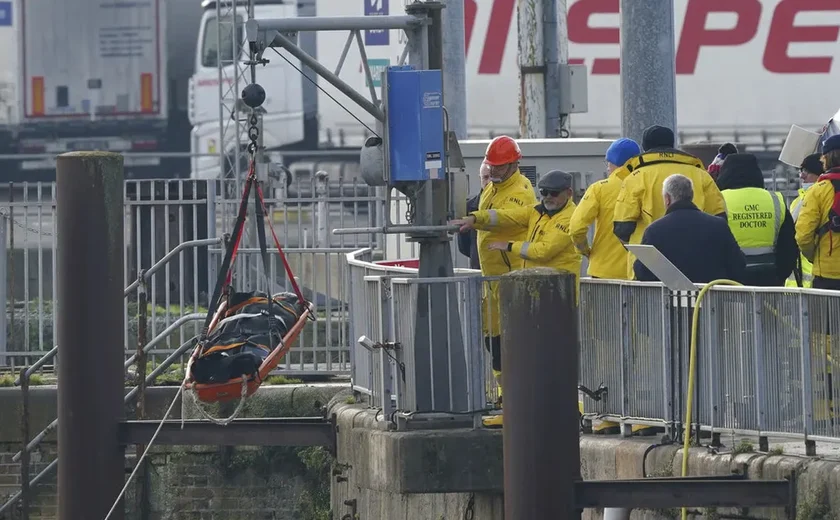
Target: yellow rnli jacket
<point x="607" y="255"/>
<point x="807" y="275"/>
<point x="823" y="251"/>
<point x="639" y="202"/>
<point x="515" y="192"/>
<point x="547" y="243"/>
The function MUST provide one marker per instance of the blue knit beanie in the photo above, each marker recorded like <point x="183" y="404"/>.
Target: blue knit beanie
<point x="622" y="150"/>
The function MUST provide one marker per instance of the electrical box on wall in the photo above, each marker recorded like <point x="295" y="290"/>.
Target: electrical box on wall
<point x="574" y="97"/>
<point x="414" y="110"/>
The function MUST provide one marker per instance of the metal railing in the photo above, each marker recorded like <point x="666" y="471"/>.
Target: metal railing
<point x="139" y="286"/>
<point x="764" y="355"/>
<point x="365" y="299"/>
<point x="173" y="217"/>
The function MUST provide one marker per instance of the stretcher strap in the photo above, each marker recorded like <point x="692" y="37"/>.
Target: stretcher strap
<point x="225" y="271"/>
<point x="288" y="268"/>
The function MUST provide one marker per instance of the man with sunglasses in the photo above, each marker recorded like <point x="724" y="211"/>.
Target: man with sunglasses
<point x="547" y="242"/>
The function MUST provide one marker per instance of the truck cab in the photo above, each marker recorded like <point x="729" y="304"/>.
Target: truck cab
<point x="283" y="121"/>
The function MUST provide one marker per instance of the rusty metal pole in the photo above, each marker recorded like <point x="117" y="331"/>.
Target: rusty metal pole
<point x="11" y="261"/>
<point x="24" y="434"/>
<point x="532" y="107"/>
<point x="89" y="225"/>
<point x="141" y="488"/>
<point x="540" y="360"/>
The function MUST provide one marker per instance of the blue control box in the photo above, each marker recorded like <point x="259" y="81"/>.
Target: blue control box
<point x="415" y="124"/>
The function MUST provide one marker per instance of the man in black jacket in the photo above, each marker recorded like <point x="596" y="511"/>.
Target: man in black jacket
<point x="467" y="242"/>
<point x="698" y="244"/>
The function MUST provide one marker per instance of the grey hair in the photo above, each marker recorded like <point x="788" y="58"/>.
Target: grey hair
<point x="679" y="187"/>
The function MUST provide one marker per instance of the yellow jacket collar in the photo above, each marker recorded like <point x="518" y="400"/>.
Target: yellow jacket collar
<point x="621" y="172"/>
<point x="663" y="156"/>
<point x="507" y="182"/>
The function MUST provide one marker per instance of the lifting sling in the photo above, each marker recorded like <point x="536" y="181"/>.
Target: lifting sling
<point x="245" y="334"/>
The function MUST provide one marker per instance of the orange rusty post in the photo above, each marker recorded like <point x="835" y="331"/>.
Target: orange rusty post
<point x="541" y="428"/>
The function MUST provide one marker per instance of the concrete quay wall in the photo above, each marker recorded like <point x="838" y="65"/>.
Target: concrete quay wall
<point x="443" y="474"/>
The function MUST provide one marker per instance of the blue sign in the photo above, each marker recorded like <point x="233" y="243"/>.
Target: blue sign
<point x="376" y="8"/>
<point x="6" y="14"/>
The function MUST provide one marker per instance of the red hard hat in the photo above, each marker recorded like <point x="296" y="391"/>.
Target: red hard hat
<point x="502" y="150"/>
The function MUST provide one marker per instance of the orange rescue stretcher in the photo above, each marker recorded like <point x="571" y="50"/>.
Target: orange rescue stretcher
<point x="235" y="388"/>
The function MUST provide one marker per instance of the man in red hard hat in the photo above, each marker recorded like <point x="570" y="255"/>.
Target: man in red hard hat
<point x="508" y="188"/>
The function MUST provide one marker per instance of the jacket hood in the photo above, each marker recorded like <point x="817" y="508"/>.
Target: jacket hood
<point x="740" y="170"/>
<point x="663" y="156"/>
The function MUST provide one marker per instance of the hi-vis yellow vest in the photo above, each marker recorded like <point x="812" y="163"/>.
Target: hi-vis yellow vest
<point x="755" y="216"/>
<point x="807" y="275"/>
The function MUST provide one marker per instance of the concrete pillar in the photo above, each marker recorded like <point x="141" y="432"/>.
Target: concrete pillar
<point x="89" y="226"/>
<point x="648" y="71"/>
<point x="540" y="373"/>
<point x="454" y="66"/>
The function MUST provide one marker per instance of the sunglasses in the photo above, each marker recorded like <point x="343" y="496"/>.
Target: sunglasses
<point x="550" y="193"/>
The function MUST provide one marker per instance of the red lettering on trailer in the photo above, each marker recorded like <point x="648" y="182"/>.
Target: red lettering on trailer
<point x="495" y="39"/>
<point x="783" y="32"/>
<point x="470" y="10"/>
<point x="695" y="35"/>
<point x="581" y="32"/>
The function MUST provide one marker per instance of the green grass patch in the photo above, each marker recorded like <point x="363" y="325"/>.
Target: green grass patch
<point x="282" y="380"/>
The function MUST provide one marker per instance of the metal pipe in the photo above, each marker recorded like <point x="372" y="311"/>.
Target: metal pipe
<point x="24" y="433"/>
<point x="4" y="222"/>
<point x="32" y="483"/>
<point x="89" y="222"/>
<point x="540" y="363"/>
<point x="400" y="228"/>
<point x="38" y="364"/>
<point x="329" y="23"/>
<point x="166" y="363"/>
<point x="147" y="275"/>
<point x="203" y="242"/>
<point x="36" y="440"/>
<point x="312" y="63"/>
<point x="163" y="366"/>
<point x="140" y="493"/>
<point x="165" y="334"/>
